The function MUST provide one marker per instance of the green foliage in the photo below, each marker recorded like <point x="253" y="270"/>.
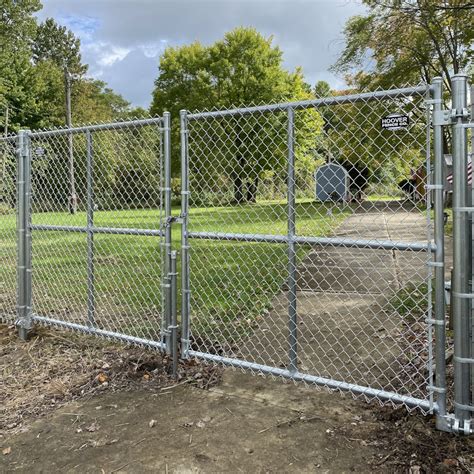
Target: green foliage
<point x="17" y="27"/>
<point x="243" y="68"/>
<point x="58" y="44"/>
<point x="409" y="302"/>
<point x="33" y="61"/>
<point x="403" y="41"/>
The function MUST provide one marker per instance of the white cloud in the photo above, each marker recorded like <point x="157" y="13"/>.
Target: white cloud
<point x="126" y="37"/>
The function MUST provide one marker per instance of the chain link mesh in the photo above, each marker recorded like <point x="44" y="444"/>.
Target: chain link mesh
<point x="8" y="278"/>
<point x="101" y="265"/>
<point x="361" y="310"/>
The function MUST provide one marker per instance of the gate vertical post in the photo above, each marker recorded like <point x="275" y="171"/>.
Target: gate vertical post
<point x="185" y="283"/>
<point x="472" y="250"/>
<point x="461" y="254"/>
<point x="292" y="311"/>
<point x="167" y="253"/>
<point x="173" y="328"/>
<point x="24" y="290"/>
<point x="90" y="232"/>
<point x="440" y="303"/>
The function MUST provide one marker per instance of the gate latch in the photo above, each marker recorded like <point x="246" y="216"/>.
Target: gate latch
<point x="171" y="219"/>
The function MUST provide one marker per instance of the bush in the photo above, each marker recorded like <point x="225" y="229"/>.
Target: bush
<point x="5" y="209"/>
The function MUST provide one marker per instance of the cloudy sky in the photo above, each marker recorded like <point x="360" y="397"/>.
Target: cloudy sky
<point x="122" y="39"/>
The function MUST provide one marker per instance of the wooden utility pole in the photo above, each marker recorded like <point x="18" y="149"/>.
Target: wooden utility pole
<point x="72" y="182"/>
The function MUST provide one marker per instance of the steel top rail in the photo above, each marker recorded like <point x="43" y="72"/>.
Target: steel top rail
<point x="305" y="104"/>
<point x="97" y="127"/>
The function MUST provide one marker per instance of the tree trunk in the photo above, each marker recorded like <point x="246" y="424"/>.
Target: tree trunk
<point x="238" y="188"/>
<point x="252" y="189"/>
<point x="238" y="176"/>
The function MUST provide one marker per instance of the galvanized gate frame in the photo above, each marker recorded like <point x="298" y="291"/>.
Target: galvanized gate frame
<point x="462" y="293"/>
<point x="26" y="317"/>
<point x="460" y="421"/>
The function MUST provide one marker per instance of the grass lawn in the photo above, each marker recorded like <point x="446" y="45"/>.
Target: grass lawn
<point x="230" y="281"/>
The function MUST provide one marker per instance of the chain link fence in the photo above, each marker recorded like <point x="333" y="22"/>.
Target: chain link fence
<point x="312" y="241"/>
<point x="309" y="237"/>
<point x="8" y="248"/>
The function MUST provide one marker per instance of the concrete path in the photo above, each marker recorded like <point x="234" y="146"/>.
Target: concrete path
<point x="348" y="325"/>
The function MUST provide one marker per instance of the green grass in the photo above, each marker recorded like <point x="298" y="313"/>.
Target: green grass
<point x="384" y="197"/>
<point x="233" y="283"/>
<point x="410" y="302"/>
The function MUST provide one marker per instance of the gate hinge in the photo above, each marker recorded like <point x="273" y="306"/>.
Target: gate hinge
<point x="443" y="117"/>
<point x="448" y="116"/>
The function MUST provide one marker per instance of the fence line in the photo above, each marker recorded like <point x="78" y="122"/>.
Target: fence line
<point x="305" y="247"/>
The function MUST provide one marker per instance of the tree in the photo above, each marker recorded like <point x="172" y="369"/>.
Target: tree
<point x="57" y="44"/>
<point x="17" y="28"/>
<point x="402" y="41"/>
<point x="243" y="68"/>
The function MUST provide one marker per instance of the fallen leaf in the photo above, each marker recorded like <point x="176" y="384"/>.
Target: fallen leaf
<point x="152" y="423"/>
<point x="451" y="462"/>
<point x="6" y="451"/>
<point x="102" y="378"/>
<point x="200" y="424"/>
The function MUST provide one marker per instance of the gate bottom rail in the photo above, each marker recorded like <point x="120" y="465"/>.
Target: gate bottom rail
<point x="99" y="332"/>
<point x="320" y="381"/>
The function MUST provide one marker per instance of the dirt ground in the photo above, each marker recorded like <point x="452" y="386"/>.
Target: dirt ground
<point x="71" y="403"/>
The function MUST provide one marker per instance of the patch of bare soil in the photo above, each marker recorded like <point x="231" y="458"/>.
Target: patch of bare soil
<point x="71" y="403"/>
<point x="55" y="367"/>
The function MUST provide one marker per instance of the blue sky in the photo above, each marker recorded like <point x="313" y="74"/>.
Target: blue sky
<point x="122" y="39"/>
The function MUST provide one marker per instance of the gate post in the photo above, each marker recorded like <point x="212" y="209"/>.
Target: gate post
<point x="440" y="303"/>
<point x="24" y="320"/>
<point x="167" y="254"/>
<point x="185" y="284"/>
<point x="472" y="250"/>
<point x="461" y="291"/>
<point x="173" y="328"/>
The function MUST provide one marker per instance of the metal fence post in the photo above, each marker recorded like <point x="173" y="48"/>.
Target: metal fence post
<point x="90" y="232"/>
<point x="461" y="291"/>
<point x="168" y="235"/>
<point x="185" y="283"/>
<point x="24" y="296"/>
<point x="292" y="311"/>
<point x="440" y="303"/>
<point x="472" y="251"/>
<point x="173" y="328"/>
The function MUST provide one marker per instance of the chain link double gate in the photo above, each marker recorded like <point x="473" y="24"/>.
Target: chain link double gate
<point x="312" y="241"/>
